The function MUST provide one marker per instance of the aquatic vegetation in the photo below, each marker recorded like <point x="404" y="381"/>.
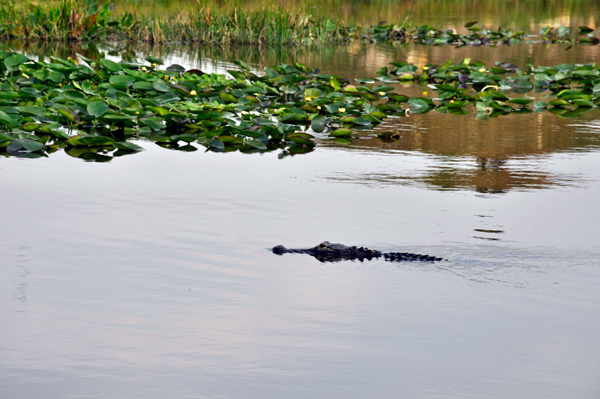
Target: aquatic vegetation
<point x="93" y="108"/>
<point x="84" y="20"/>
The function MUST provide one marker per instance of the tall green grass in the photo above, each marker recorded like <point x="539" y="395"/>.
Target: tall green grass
<point x="65" y="20"/>
<point x="83" y="20"/>
<point x="263" y="26"/>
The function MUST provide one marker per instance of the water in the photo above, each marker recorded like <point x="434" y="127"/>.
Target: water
<point x="150" y="276"/>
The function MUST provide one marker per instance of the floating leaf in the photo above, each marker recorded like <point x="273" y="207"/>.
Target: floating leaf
<point x="97" y="108"/>
<point x="110" y="65"/>
<point x="341" y="133"/>
<point x="558" y="103"/>
<point x="122" y="80"/>
<point x="14" y="60"/>
<point x="418" y="104"/>
<point x="162" y="86"/>
<point x="96" y="141"/>
<point x="301" y="139"/>
<point x="146" y="86"/>
<point x="25" y="145"/>
<point x="154" y="60"/>
<point x="520" y="101"/>
<point x="31" y="110"/>
<point x="334" y="83"/>
<point x="257" y="144"/>
<point x="216" y="144"/>
<point x="319" y="123"/>
<point x="67" y="112"/>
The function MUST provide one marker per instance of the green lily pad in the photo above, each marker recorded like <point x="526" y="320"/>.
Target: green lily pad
<point x="122" y="80"/>
<point x="25" y="145"/>
<point x="301" y="139"/>
<point x="162" y="86"/>
<point x="14" y="60"/>
<point x="97" y="108"/>
<point x="319" y="122"/>
<point x="341" y="133"/>
<point x="31" y="110"/>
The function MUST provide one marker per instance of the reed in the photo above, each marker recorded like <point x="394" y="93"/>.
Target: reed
<point x="64" y="20"/>
<point x="83" y="20"/>
<point x="237" y="26"/>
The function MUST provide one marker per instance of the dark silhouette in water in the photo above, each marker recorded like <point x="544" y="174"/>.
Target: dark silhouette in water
<point x="331" y="252"/>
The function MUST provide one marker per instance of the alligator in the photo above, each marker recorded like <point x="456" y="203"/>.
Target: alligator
<point x="331" y="252"/>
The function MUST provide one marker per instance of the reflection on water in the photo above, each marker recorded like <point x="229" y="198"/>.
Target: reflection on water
<point x="149" y="276"/>
<point x="527" y="15"/>
<point x="489" y="156"/>
<point x="354" y="60"/>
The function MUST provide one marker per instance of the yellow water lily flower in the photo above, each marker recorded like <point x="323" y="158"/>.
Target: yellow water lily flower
<point x="193" y="93"/>
<point x="481" y="69"/>
<point x="144" y="69"/>
<point x="382" y="93"/>
<point x="308" y="99"/>
<point x="425" y="68"/>
<point x="424" y="93"/>
<point x="342" y="110"/>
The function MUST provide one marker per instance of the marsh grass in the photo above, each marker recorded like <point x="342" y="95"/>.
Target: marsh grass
<point x="219" y="26"/>
<point x="65" y="20"/>
<point x="201" y="22"/>
<point x="83" y="20"/>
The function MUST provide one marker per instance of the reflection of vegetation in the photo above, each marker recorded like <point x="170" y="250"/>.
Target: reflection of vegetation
<point x="526" y="15"/>
<point x="488" y="156"/>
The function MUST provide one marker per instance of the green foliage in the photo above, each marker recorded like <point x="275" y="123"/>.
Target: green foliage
<point x="91" y="108"/>
<point x="85" y="20"/>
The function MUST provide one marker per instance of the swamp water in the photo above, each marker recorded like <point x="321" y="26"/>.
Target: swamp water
<point x="149" y="276"/>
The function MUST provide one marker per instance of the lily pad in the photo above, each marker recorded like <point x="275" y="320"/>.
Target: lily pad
<point x="25" y="145"/>
<point x="97" y="108"/>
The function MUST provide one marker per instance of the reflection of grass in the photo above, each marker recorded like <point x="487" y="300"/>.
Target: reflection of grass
<point x="518" y="14"/>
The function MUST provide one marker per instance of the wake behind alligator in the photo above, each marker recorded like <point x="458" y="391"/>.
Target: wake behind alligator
<point x="331" y="252"/>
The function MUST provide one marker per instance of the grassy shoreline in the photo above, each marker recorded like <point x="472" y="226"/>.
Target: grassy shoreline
<point x="84" y="20"/>
<point x="78" y="20"/>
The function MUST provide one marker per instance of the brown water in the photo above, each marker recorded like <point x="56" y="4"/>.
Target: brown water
<point x="150" y="277"/>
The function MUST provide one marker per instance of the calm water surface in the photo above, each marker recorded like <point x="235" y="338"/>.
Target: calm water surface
<point x="150" y="277"/>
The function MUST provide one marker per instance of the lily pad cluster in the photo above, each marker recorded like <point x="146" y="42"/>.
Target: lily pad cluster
<point x="428" y="35"/>
<point x="570" y="89"/>
<point x="91" y="108"/>
<point x="95" y="108"/>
